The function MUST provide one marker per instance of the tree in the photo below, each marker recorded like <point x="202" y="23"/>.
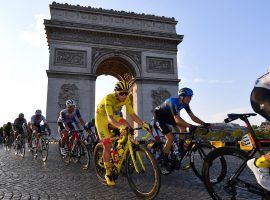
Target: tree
<point x="237" y="133"/>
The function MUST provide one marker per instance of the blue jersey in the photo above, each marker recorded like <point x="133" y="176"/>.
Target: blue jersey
<point x="172" y="106"/>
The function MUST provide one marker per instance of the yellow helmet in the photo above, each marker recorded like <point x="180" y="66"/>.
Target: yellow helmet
<point x="121" y="86"/>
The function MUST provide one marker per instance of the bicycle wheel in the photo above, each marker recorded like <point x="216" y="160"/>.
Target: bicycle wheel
<point x="228" y="187"/>
<point x="83" y="156"/>
<point x="44" y="149"/>
<point x="146" y="182"/>
<point x="197" y="156"/>
<point x="98" y="163"/>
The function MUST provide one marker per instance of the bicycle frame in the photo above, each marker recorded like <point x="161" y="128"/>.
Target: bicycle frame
<point x="193" y="142"/>
<point x="250" y="154"/>
<point x="128" y="148"/>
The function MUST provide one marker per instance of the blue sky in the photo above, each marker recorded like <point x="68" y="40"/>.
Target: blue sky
<point x="226" y="47"/>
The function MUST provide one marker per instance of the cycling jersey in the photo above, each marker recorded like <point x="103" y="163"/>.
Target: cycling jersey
<point x="37" y="120"/>
<point x="67" y="117"/>
<point x="7" y="129"/>
<point x="263" y="81"/>
<point x="110" y="106"/>
<point x="19" y="122"/>
<point x="164" y="114"/>
<point x="169" y="108"/>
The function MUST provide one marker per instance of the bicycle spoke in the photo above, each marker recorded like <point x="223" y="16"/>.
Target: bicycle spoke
<point x="146" y="181"/>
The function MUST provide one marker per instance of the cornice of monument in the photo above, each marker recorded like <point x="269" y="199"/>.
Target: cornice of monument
<point x="73" y="75"/>
<point x="154" y="80"/>
<point x="66" y="33"/>
<point x="113" y="12"/>
<point x="112" y="30"/>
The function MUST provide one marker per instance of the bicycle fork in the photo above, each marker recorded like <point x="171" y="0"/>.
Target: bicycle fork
<point x="138" y="156"/>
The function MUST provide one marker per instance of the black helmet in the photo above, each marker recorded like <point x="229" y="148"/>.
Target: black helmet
<point x="185" y="92"/>
<point x="21" y="115"/>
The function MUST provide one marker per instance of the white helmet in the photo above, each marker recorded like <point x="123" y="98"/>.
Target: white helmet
<point x="38" y="112"/>
<point x="70" y="102"/>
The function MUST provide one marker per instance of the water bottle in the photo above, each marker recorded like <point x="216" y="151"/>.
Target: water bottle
<point x="115" y="156"/>
<point x="120" y="151"/>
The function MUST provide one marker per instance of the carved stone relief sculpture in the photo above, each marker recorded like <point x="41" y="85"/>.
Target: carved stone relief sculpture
<point x="72" y="58"/>
<point x="68" y="91"/>
<point x="158" y="96"/>
<point x="159" y="65"/>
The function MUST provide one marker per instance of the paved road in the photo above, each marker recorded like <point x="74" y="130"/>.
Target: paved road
<point x="25" y="178"/>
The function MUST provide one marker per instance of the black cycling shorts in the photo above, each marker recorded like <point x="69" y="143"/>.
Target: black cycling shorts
<point x="162" y="122"/>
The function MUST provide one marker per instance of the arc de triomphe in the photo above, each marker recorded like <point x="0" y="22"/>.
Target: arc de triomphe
<point x="86" y="42"/>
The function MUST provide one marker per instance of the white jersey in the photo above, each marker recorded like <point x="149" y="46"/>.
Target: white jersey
<point x="36" y="121"/>
<point x="263" y="81"/>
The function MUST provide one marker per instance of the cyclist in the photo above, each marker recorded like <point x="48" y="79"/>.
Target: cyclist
<point x="35" y="123"/>
<point x="260" y="102"/>
<point x="18" y="125"/>
<point x="107" y="114"/>
<point x="168" y="114"/>
<point x="65" y="121"/>
<point x="7" y="131"/>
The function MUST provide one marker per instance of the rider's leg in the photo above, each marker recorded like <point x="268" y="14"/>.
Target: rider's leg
<point x="64" y="138"/>
<point x="104" y="135"/>
<point x="168" y="144"/>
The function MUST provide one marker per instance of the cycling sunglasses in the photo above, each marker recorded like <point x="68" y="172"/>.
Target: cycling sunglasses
<point x="123" y="93"/>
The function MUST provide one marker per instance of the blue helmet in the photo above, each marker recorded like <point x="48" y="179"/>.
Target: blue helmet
<point x="185" y="92"/>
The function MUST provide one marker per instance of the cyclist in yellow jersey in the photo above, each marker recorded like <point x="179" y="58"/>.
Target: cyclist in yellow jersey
<point x="107" y="113"/>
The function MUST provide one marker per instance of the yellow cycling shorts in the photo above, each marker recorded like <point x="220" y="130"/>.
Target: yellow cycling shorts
<point x="102" y="125"/>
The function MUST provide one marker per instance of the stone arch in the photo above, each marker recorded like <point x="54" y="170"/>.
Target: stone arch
<point x="127" y="66"/>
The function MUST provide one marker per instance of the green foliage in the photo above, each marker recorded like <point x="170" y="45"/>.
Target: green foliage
<point x="237" y="133"/>
<point x="262" y="133"/>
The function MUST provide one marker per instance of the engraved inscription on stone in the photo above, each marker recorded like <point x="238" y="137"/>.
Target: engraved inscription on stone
<point x="158" y="96"/>
<point x="68" y="91"/>
<point x="72" y="58"/>
<point x="159" y="65"/>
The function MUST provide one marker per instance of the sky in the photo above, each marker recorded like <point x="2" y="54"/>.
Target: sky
<point x="226" y="47"/>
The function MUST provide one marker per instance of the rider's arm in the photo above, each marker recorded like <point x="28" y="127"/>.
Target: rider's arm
<point x="131" y="112"/>
<point x="63" y="117"/>
<point x="82" y="122"/>
<point x="113" y="121"/>
<point x="136" y="119"/>
<point x="195" y="118"/>
<point x="46" y="125"/>
<point x="180" y="122"/>
<point x="78" y="114"/>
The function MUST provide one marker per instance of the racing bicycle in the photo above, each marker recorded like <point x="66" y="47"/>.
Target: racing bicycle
<point x="236" y="181"/>
<point x="134" y="161"/>
<point x="76" y="149"/>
